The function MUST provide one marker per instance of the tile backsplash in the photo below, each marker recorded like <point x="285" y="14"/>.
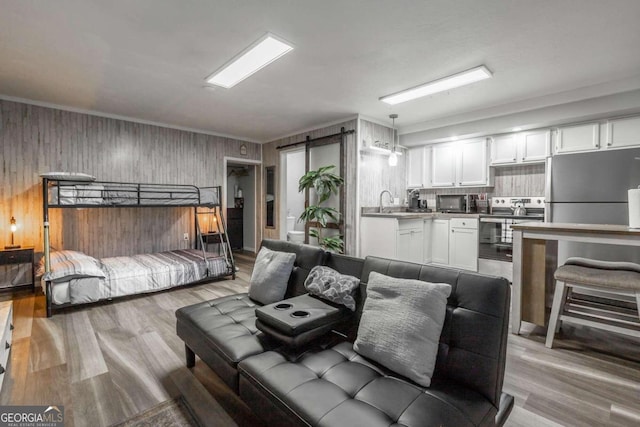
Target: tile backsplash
<point x="527" y="180"/>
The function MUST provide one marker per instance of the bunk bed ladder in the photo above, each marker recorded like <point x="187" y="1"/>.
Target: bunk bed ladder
<point x="222" y="234"/>
<point x="226" y="245"/>
<point x="199" y="237"/>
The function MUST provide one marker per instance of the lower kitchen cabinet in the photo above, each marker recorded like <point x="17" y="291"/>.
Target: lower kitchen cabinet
<point x="392" y="238"/>
<point x="440" y="241"/>
<point x="463" y="243"/>
<point x="409" y="244"/>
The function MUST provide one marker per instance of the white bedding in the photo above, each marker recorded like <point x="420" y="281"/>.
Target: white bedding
<point x="138" y="274"/>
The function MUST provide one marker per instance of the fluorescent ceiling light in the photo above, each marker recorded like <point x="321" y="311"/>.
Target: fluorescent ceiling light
<point x="456" y="80"/>
<point x="255" y="57"/>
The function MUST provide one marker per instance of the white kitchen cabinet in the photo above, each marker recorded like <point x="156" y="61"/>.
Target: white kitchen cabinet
<point x="409" y="245"/>
<point x="504" y="149"/>
<point x="584" y="137"/>
<point x="393" y="238"/>
<point x="460" y="164"/>
<point x="535" y="146"/>
<point x="622" y="133"/>
<point x="443" y="165"/>
<point x="440" y="241"/>
<point x="472" y="163"/>
<point x="523" y="147"/>
<point x="463" y="243"/>
<point x="419" y="167"/>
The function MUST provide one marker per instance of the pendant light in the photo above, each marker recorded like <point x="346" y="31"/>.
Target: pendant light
<point x="393" y="157"/>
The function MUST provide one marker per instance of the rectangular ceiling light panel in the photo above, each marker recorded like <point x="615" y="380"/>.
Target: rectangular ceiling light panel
<point x="255" y="57"/>
<point x="464" y="78"/>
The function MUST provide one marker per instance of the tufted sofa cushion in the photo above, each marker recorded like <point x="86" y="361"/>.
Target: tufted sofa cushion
<point x="222" y="332"/>
<point x="337" y="387"/>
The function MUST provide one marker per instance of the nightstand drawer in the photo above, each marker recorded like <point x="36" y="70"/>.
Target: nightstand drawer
<point x="16" y="256"/>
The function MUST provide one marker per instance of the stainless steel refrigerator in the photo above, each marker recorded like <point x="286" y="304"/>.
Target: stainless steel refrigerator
<point x="591" y="188"/>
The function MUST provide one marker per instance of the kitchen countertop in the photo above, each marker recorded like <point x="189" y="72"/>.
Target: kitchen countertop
<point x="419" y="215"/>
<point x="577" y="228"/>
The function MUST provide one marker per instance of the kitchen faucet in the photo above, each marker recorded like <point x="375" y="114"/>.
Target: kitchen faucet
<point x="382" y="194"/>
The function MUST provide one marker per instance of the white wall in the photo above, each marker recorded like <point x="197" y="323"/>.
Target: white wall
<point x="294" y="199"/>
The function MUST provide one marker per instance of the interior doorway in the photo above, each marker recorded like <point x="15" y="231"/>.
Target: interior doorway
<point x="240" y="194"/>
<point x="292" y="167"/>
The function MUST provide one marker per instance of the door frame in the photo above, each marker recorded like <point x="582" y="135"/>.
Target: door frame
<point x="257" y="230"/>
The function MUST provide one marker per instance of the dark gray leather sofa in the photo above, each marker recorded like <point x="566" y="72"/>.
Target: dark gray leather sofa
<point x="331" y="385"/>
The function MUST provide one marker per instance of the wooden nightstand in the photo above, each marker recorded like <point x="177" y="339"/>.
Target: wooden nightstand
<point x="16" y="269"/>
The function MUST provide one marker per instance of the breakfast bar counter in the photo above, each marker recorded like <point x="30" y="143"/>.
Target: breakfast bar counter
<point x="535" y="259"/>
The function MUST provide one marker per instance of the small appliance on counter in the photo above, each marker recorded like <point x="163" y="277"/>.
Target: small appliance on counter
<point x="457" y="203"/>
<point x="414" y="199"/>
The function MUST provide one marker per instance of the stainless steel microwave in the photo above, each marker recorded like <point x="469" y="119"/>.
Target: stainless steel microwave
<point x="451" y="203"/>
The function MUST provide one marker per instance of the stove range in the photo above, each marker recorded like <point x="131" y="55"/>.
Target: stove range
<point x="495" y="234"/>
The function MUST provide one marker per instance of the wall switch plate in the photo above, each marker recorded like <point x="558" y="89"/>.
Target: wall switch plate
<point x="186" y="236"/>
<point x="396" y="201"/>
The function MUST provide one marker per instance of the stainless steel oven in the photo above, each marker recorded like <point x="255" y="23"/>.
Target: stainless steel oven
<point x="495" y="233"/>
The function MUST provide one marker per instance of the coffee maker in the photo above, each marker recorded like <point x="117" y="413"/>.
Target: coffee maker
<point x="414" y="199"/>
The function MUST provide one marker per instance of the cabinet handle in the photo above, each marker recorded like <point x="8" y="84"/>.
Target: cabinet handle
<point x="609" y="144"/>
<point x="464" y="223"/>
<point x="523" y="159"/>
<point x="1" y="369"/>
<point x="514" y="159"/>
<point x="452" y="231"/>
<point x="7" y="346"/>
<point x="460" y="183"/>
<point x="11" y="326"/>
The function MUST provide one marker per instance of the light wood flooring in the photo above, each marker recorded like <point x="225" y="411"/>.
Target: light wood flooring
<point x="108" y="362"/>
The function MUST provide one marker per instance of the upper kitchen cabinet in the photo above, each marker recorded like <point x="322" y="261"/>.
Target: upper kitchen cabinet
<point x="443" y="165"/>
<point x="584" y="137"/>
<point x="473" y="163"/>
<point x="535" y="146"/>
<point x="460" y="164"/>
<point x="504" y="149"/>
<point x="523" y="147"/>
<point x="622" y="133"/>
<point x="419" y="167"/>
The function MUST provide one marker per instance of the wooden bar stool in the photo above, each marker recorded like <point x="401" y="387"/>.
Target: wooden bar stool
<point x="614" y="279"/>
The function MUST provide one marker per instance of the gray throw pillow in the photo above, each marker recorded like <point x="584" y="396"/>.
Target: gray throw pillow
<point x="270" y="275"/>
<point x="327" y="283"/>
<point x="401" y="325"/>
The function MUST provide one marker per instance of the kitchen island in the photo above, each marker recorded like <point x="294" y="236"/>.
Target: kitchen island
<point x="535" y="259"/>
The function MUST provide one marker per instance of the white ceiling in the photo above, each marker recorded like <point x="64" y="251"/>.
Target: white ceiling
<point x="147" y="59"/>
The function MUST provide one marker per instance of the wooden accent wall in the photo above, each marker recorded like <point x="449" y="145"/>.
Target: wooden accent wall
<point x="271" y="157"/>
<point x="375" y="173"/>
<point x="37" y="139"/>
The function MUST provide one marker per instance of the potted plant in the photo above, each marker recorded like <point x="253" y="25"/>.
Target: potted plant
<point x="325" y="183"/>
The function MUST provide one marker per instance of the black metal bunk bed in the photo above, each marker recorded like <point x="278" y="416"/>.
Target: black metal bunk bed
<point x="65" y="193"/>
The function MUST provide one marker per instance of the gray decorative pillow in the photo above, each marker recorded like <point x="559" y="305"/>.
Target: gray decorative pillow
<point x="327" y="283"/>
<point x="270" y="275"/>
<point x="401" y="325"/>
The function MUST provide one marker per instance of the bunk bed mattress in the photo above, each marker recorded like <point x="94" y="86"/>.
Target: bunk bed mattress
<point x="153" y="272"/>
<point x="85" y="194"/>
<point x="138" y="274"/>
<point x="131" y="195"/>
